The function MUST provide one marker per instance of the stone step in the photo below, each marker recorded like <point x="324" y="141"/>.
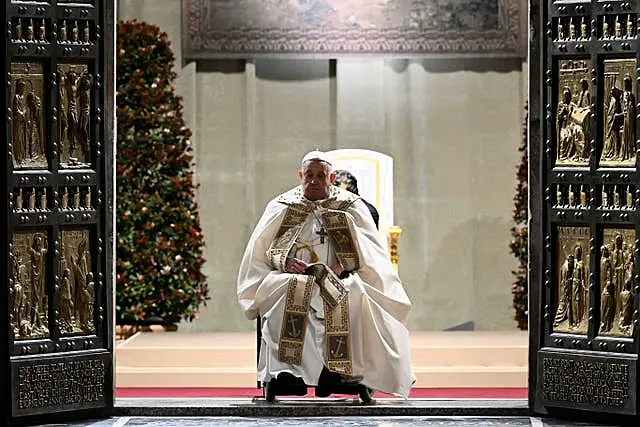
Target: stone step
<point x="431" y="376"/>
<point x="153" y="350"/>
<point x="230" y="357"/>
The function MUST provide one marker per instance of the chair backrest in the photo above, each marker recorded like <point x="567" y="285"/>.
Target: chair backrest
<point x="374" y="172"/>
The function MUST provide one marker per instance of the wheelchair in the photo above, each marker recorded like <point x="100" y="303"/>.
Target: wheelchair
<point x="288" y="385"/>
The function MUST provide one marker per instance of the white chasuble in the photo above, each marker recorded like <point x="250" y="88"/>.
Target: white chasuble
<point x="354" y="326"/>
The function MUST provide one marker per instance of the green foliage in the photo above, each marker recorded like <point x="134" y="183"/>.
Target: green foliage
<point x="518" y="246"/>
<point x="159" y="248"/>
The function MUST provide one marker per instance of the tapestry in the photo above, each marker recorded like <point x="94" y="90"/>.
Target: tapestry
<point x="335" y="28"/>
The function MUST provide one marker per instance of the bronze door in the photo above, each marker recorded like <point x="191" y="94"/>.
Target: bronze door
<point x="585" y="196"/>
<point x="57" y="232"/>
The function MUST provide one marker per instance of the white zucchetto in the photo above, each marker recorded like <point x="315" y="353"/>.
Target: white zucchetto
<point x="316" y="155"/>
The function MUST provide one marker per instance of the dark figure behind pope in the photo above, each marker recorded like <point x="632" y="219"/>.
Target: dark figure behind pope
<point x="332" y="306"/>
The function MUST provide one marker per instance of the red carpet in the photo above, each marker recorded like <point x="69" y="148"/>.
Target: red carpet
<point x="416" y="393"/>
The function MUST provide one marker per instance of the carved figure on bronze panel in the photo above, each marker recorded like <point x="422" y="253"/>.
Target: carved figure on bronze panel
<point x="617" y="275"/>
<point x="72" y="105"/>
<point x="572" y="30"/>
<point x="605" y="28"/>
<point x="64" y="204"/>
<point x="560" y="29"/>
<point x="76" y="259"/>
<point x="19" y="116"/>
<point x="630" y="202"/>
<point x="583" y="197"/>
<point x="86" y="35"/>
<point x="579" y="289"/>
<point x="74" y="32"/>
<point x="606" y="269"/>
<point x="605" y="198"/>
<point x="584" y="101"/>
<point x="66" y="302"/>
<point x="32" y="200"/>
<point x="566" y="284"/>
<point x="86" y="304"/>
<point x="85" y="113"/>
<point x="63" y="120"/>
<point x="616" y="197"/>
<point x="572" y="197"/>
<point x="584" y="32"/>
<point x="573" y="116"/>
<point x="620" y="113"/>
<point x="629" y="33"/>
<point x="559" y="197"/>
<point x="76" y="199"/>
<point x="42" y="31"/>
<point x="17" y="291"/>
<point x="18" y="30"/>
<point x="614" y="121"/>
<point x="607" y="307"/>
<point x="629" y="124"/>
<point x="63" y="31"/>
<point x="39" y="304"/>
<point x="74" y="98"/>
<point x="87" y="199"/>
<point x="82" y="269"/>
<point x="630" y="266"/>
<point x="27" y="112"/>
<point x="43" y="200"/>
<point x="562" y="120"/>
<point x="626" y="308"/>
<point x="30" y="31"/>
<point x="36" y="141"/>
<point x="618" y="262"/>
<point x="29" y="272"/>
<point x="19" y="203"/>
<point x="571" y="296"/>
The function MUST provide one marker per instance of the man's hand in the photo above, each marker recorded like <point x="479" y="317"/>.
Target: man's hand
<point x="337" y="268"/>
<point x="294" y="265"/>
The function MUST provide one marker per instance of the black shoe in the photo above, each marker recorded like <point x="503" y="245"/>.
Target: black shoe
<point x="289" y="384"/>
<point x="326" y="383"/>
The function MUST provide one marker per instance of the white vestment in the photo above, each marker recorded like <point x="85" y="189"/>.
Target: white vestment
<point x="378" y="305"/>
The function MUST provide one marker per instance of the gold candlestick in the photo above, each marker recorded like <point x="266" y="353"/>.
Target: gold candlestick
<point x="393" y="234"/>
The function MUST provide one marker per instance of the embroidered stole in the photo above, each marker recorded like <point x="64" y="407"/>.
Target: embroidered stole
<point x="300" y="286"/>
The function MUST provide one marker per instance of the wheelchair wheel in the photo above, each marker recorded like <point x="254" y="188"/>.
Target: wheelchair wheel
<point x="269" y="392"/>
<point x="365" y="393"/>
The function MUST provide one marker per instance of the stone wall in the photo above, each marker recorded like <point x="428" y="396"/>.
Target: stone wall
<point x="452" y="126"/>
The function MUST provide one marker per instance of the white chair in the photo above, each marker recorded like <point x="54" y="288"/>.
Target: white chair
<point x="374" y="172"/>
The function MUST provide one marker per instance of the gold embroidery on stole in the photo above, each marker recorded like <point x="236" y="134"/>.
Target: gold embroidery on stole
<point x="294" y="321"/>
<point x="345" y="248"/>
<point x="300" y="287"/>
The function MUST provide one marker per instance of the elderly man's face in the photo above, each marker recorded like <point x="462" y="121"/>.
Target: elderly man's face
<point x="316" y="179"/>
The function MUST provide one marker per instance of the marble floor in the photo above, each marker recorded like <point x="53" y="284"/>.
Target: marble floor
<point x="325" y="422"/>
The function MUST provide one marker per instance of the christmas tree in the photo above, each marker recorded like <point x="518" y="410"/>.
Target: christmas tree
<point x="159" y="239"/>
<point x="518" y="246"/>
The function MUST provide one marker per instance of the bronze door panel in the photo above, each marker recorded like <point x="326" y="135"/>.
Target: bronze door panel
<point x="58" y="216"/>
<point x="584" y="290"/>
